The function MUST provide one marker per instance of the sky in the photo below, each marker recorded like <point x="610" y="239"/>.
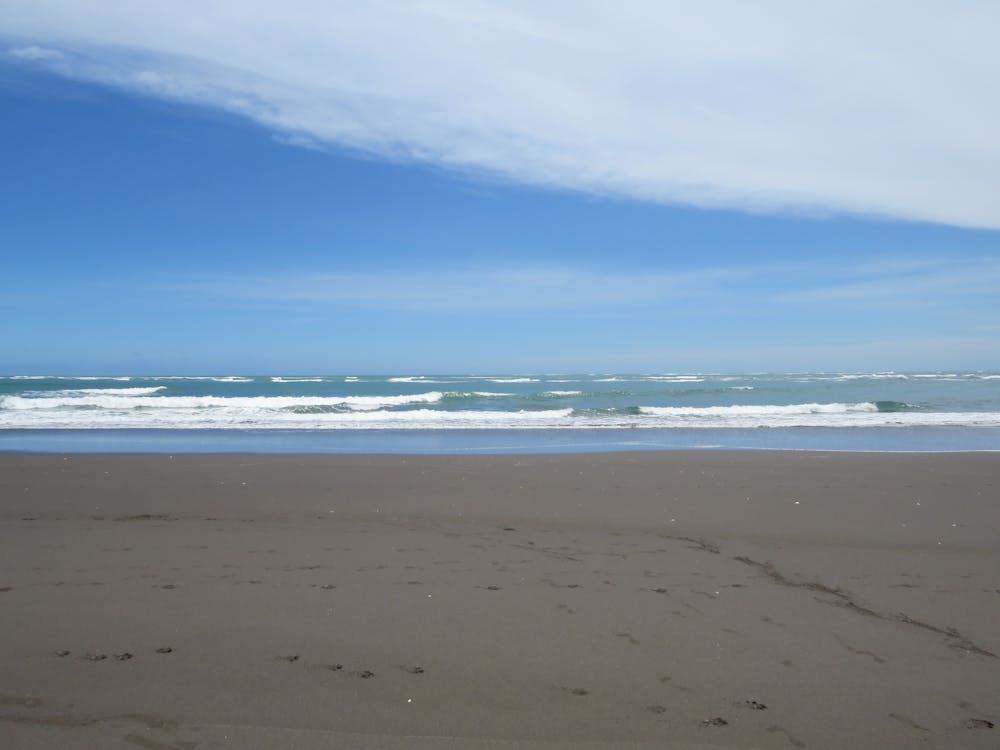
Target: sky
<point x="438" y="186"/>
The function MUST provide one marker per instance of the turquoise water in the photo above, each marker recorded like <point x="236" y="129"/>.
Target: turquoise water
<point x="502" y="413"/>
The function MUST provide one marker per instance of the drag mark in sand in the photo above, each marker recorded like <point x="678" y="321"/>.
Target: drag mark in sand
<point x="147" y="721"/>
<point x="556" y="585"/>
<point x="696" y="542"/>
<point x="907" y="721"/>
<point x="843" y="599"/>
<point x="147" y="517"/>
<point x="861" y="652"/>
<point x="48" y="721"/>
<point x="781" y="730"/>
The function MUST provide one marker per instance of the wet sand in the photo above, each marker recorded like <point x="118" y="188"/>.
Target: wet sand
<point x="677" y="599"/>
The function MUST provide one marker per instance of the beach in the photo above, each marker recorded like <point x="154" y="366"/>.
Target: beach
<point x="673" y="599"/>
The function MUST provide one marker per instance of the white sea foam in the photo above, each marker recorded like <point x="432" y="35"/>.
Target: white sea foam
<point x="69" y="377"/>
<point x="863" y="414"/>
<point x="441" y="419"/>
<point x="81" y="392"/>
<point x="675" y="378"/>
<point x="468" y="402"/>
<point x="847" y="376"/>
<point x="100" y="399"/>
<point x="763" y="410"/>
<point x="210" y="378"/>
<point x="378" y="412"/>
<point x="250" y="418"/>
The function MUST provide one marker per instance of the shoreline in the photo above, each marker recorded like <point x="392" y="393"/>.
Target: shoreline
<point x="800" y="598"/>
<point x="459" y="442"/>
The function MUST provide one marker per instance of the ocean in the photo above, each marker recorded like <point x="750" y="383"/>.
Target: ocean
<point x="933" y="411"/>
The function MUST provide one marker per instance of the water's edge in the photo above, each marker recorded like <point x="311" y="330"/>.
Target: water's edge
<point x="471" y="442"/>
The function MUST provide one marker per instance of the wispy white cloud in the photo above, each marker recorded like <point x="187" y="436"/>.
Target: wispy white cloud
<point x="884" y="108"/>
<point x="905" y="283"/>
<point x="896" y="282"/>
<point x="910" y="285"/>
<point x="34" y="53"/>
<point x="463" y="290"/>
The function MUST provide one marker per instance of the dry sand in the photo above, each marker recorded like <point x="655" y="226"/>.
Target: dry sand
<point x="679" y="599"/>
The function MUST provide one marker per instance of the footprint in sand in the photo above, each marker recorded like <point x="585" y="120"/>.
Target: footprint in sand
<point x="979" y="724"/>
<point x="668" y="680"/>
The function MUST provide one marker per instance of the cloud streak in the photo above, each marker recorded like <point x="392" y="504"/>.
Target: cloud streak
<point x="843" y="107"/>
<point x="904" y="284"/>
<point x="34" y="53"/>
<point x="466" y="290"/>
<point x="894" y="282"/>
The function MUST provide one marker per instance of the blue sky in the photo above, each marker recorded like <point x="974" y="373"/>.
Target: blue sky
<point x="358" y="192"/>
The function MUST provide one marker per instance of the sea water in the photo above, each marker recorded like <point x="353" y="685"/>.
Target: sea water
<point x="932" y="411"/>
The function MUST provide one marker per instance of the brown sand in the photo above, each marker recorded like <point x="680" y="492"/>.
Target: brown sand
<point x="679" y="599"/>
